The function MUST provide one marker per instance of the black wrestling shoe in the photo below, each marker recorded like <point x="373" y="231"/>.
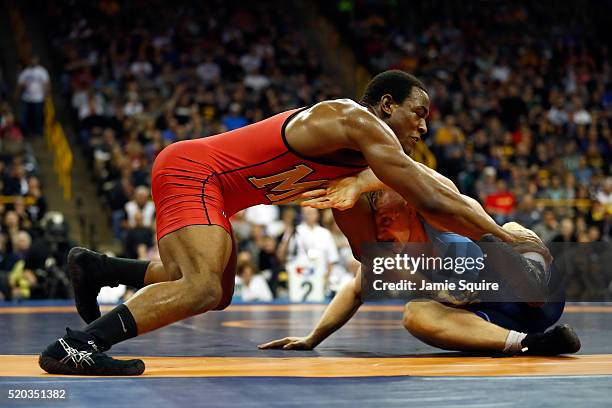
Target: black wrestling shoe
<point x="527" y="278"/>
<point x="77" y="354"/>
<point x="86" y="269"/>
<point x="561" y="339"/>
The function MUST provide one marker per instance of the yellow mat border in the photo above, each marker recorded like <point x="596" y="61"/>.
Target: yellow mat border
<point x="330" y="367"/>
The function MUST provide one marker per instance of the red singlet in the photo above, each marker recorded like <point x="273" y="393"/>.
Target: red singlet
<point x="205" y="181"/>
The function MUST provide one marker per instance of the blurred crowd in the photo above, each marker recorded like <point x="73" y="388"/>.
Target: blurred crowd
<point x="33" y="242"/>
<point x="521" y="101"/>
<point x="520" y="114"/>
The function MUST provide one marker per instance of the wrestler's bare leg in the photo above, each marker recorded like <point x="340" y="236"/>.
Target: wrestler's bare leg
<point x="452" y="328"/>
<point x="199" y="254"/>
<point x="157" y="273"/>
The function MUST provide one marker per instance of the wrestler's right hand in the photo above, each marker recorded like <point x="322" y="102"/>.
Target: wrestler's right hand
<point x="289" y="343"/>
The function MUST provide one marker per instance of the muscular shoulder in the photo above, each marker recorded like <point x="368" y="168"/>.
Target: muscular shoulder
<point x="339" y="107"/>
<point x="335" y="113"/>
<point x="331" y="121"/>
<point x="351" y="114"/>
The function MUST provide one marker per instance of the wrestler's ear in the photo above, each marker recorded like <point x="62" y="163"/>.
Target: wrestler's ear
<point x="387" y="105"/>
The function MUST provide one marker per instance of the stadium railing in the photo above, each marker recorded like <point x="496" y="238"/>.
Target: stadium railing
<point x="28" y="200"/>
<point x="576" y="202"/>
<point x="58" y="144"/>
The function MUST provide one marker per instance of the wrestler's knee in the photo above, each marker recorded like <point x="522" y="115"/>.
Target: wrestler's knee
<point x="419" y="317"/>
<point x="173" y="272"/>
<point x="201" y="293"/>
<point x="226" y="300"/>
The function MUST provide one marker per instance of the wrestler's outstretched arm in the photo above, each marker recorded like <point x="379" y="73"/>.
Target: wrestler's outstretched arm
<point x="342" y="193"/>
<point x="362" y="131"/>
<point x="338" y="312"/>
<point x="347" y="301"/>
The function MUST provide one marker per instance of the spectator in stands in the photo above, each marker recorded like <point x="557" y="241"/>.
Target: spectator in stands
<point x="269" y="264"/>
<point x="22" y="281"/>
<point x="118" y="196"/>
<point x="566" y="231"/>
<point x="277" y="227"/>
<point x="33" y="86"/>
<point x="598" y="215"/>
<point x="17" y="182"/>
<point x="46" y="259"/>
<point x="255" y="242"/>
<point x="21" y="244"/>
<point x="594" y="233"/>
<point x="501" y="203"/>
<point x="569" y="189"/>
<point x="11" y="226"/>
<point x="253" y="286"/>
<point x="103" y="149"/>
<point x="138" y="235"/>
<point x="604" y="195"/>
<point x="20" y="209"/>
<point x="240" y="226"/>
<point x="140" y="206"/>
<point x="235" y="119"/>
<point x="487" y="184"/>
<point x="309" y="240"/>
<point x="11" y="137"/>
<point x="547" y="228"/>
<point x="583" y="173"/>
<point x="262" y="214"/>
<point x="38" y="206"/>
<point x="527" y="213"/>
<point x="555" y="191"/>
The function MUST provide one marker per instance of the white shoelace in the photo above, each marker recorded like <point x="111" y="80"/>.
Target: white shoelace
<point x="76" y="356"/>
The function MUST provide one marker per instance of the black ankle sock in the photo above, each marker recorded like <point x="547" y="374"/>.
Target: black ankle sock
<point x="129" y="272"/>
<point x="113" y="327"/>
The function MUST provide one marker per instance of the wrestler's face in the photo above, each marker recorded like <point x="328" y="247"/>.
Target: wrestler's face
<point x="408" y="119"/>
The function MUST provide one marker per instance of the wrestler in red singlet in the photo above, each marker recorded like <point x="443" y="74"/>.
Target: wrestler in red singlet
<point x="205" y="181"/>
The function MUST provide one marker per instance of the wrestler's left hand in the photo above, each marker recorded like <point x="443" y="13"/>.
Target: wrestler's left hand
<point x="341" y="194"/>
<point x="289" y="343"/>
<point x="524" y="241"/>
